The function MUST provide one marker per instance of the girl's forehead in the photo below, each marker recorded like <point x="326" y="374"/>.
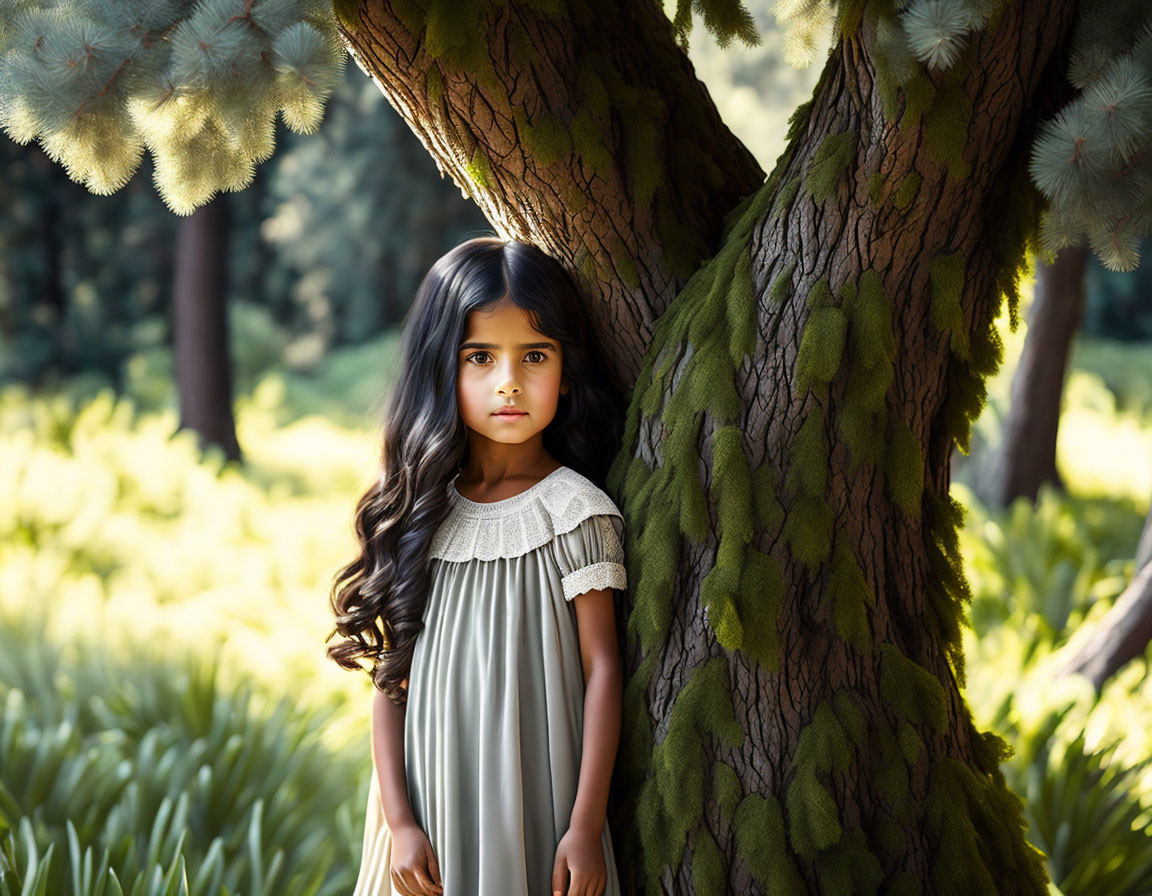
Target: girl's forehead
<point x="503" y="320"/>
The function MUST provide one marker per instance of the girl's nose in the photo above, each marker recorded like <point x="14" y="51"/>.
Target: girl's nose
<point x="508" y="384"/>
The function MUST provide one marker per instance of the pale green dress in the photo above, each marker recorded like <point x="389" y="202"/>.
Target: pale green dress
<point x="493" y="728"/>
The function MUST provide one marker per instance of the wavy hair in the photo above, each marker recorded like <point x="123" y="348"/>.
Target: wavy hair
<point x="378" y="598"/>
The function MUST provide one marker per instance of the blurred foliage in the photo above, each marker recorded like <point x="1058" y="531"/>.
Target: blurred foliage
<point x="79" y="274"/>
<point x="1041" y="569"/>
<point x="1123" y="368"/>
<point x="1084" y="812"/>
<point x="347" y="386"/>
<point x="145" y="775"/>
<point x="1116" y="304"/>
<point x="112" y="523"/>
<point x="166" y="708"/>
<point x="320" y="255"/>
<point x="755" y="88"/>
<point x="1038" y="573"/>
<point x="1080" y="765"/>
<point x="1108" y="389"/>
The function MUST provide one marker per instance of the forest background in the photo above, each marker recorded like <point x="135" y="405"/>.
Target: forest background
<point x="167" y="708"/>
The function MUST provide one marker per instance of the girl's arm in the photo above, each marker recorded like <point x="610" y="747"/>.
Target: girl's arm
<point x="596" y="623"/>
<point x="388" y="756"/>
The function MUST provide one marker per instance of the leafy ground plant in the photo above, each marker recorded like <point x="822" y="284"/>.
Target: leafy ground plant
<point x="157" y="776"/>
<point x="1083" y="811"/>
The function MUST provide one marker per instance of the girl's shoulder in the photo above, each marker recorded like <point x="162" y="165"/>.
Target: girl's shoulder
<point x="556" y="504"/>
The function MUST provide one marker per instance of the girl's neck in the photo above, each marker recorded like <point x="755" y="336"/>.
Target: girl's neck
<point x="487" y="471"/>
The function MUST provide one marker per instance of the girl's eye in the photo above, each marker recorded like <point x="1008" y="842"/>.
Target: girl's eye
<point x="481" y="357"/>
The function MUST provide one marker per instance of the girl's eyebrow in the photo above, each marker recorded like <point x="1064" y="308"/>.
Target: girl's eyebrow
<point x="493" y="345"/>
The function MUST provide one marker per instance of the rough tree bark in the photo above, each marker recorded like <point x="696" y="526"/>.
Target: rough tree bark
<point x="793" y="660"/>
<point x="1026" y="456"/>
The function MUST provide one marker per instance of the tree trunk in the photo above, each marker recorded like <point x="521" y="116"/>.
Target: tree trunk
<point x="200" y="327"/>
<point x="793" y="719"/>
<point x="1026" y="456"/>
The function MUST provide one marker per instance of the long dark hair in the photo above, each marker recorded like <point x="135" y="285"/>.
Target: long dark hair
<point x="379" y="598"/>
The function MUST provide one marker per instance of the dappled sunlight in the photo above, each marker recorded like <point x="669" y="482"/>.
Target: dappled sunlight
<point x="1102" y="451"/>
<point x="120" y="530"/>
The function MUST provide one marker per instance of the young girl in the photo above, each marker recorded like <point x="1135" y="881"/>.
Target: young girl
<point x="483" y="592"/>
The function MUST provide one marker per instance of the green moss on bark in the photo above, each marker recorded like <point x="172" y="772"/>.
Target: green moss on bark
<point x="547" y="140"/>
<point x="821" y="349"/>
<point x="762" y="846"/>
<point x="709" y="876"/>
<point x="478" y="170"/>
<point x="904" y="466"/>
<point x="911" y="691"/>
<point x="675" y="792"/>
<point x="829" y="163"/>
<point x="946" y="273"/>
<point x="813" y="819"/>
<point x="851" y="598"/>
<point x="907" y="190"/>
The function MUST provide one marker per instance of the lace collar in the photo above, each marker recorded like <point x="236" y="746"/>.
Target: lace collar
<point x="481" y="530"/>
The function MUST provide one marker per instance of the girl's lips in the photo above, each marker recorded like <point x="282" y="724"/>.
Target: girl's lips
<point x="511" y="414"/>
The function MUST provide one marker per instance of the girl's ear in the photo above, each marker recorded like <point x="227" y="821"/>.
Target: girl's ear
<point x="563" y="387"/>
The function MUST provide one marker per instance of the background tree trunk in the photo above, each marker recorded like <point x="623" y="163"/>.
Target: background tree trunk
<point x="1026" y="455"/>
<point x="200" y="327"/>
<point x="53" y="299"/>
<point x="792" y="627"/>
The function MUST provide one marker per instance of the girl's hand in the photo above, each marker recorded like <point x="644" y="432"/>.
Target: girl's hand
<point x="414" y="868"/>
<point x="580" y="854"/>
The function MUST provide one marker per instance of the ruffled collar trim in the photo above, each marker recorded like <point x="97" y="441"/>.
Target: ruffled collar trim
<point x="508" y="528"/>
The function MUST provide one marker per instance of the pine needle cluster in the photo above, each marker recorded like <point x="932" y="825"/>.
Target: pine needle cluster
<point x="1094" y="160"/>
<point x="197" y="84"/>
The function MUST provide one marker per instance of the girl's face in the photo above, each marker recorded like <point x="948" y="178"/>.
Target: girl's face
<point x="505" y="363"/>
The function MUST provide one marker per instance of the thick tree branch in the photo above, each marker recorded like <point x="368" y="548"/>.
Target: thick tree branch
<point x="1098" y="652"/>
<point x="589" y="137"/>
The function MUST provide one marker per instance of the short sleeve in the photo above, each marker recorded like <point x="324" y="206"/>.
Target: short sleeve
<point x="592" y="555"/>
